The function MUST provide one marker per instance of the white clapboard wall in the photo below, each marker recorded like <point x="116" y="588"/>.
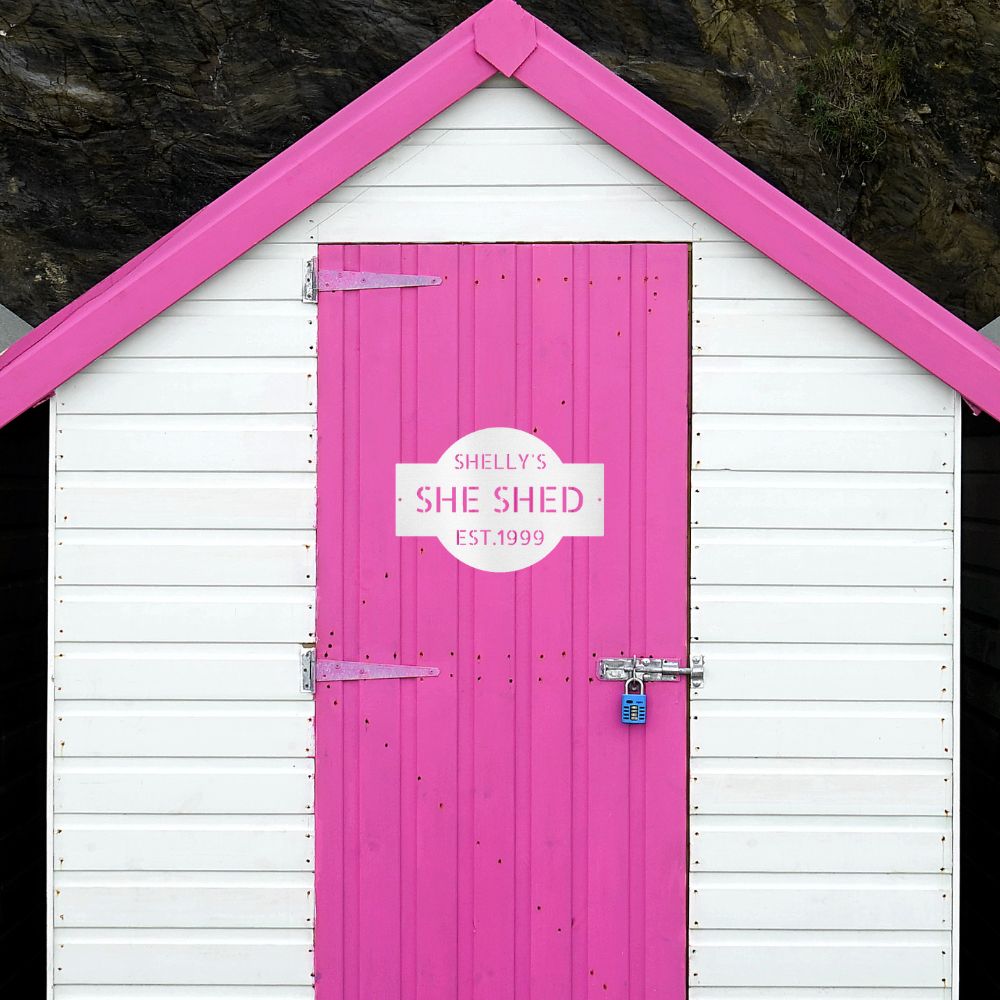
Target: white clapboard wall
<point x="823" y="510"/>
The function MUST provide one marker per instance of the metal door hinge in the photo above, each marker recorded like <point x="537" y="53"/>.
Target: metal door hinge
<point x="315" y="281"/>
<point x="649" y="668"/>
<point x="307" y="666"/>
<point x="309" y="281"/>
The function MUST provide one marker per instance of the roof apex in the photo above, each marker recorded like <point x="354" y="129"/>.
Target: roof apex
<point x="501" y="36"/>
<point x="505" y="35"/>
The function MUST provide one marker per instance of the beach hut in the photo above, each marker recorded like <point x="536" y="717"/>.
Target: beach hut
<point x="503" y="548"/>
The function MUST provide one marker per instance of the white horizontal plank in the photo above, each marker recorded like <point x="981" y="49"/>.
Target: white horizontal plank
<point x="183" y="729"/>
<point x="737" y="271"/>
<point x="183" y="899"/>
<point x="795" y="328"/>
<point x="203" y="558"/>
<point x="820" y="844"/>
<point x="186" y="443"/>
<point x="821" y="500"/>
<point x="270" y="500"/>
<point x="834" y="558"/>
<point x="821" y="787"/>
<point x="200" y="992"/>
<point x="820" y="958"/>
<point x="184" y="614"/>
<point x="171" y="785"/>
<point x="817" y="385"/>
<point x="167" y="671"/>
<point x="184" y="843"/>
<point x="571" y="135"/>
<point x="493" y="164"/>
<point x="822" y="443"/>
<point x="790" y="901"/>
<point x="191" y="385"/>
<point x="199" y="957"/>
<point x="584" y="213"/>
<point x="505" y="108"/>
<point x="255" y="277"/>
<point x="820" y="729"/>
<point x="204" y="329"/>
<point x="830" y="673"/>
<point x="822" y="614"/>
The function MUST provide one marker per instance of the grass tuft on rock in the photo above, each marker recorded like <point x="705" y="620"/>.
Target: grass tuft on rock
<point x="847" y="96"/>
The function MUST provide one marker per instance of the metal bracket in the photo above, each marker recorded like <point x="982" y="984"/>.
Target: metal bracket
<point x="309" y="280"/>
<point x="315" y="281"/>
<point x="354" y="670"/>
<point x="649" y="668"/>
<point x="307" y="666"/>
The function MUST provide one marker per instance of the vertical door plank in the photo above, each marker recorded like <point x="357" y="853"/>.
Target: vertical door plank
<point x="551" y="664"/>
<point x="494" y="648"/>
<point x="608" y="857"/>
<point x="437" y="749"/>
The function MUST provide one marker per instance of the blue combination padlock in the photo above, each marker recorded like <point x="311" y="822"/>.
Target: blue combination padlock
<point x="634" y="705"/>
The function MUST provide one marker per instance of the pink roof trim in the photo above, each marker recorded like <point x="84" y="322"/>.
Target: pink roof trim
<point x="504" y="37"/>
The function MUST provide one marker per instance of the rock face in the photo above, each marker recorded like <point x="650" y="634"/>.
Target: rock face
<point x="119" y="119"/>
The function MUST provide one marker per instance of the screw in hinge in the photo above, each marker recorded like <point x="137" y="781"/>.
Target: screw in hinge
<point x="309" y="280"/>
<point x="307" y="665"/>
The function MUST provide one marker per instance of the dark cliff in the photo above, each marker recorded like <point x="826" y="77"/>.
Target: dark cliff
<point x="119" y="118"/>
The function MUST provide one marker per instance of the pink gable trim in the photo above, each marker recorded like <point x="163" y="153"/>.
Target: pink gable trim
<point x="504" y="37"/>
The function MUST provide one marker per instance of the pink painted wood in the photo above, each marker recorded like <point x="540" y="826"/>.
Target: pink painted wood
<point x="495" y="832"/>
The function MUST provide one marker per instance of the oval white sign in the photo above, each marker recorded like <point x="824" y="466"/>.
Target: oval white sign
<point x="499" y="499"/>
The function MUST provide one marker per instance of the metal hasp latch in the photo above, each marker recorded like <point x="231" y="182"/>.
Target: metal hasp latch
<point x="354" y="670"/>
<point x="649" y="668"/>
<point x="315" y="281"/>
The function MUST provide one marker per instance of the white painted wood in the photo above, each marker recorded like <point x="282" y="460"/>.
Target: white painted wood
<point x="841" y="787"/>
<point x="187" y="443"/>
<point x="184" y="385"/>
<point x="753" y="499"/>
<point x="50" y="701"/>
<point x="231" y="330"/>
<point x="183" y="786"/>
<point x="821" y="614"/>
<point x="411" y="165"/>
<point x="184" y="899"/>
<point x="583" y="213"/>
<point x="197" y="957"/>
<point x="206" y="558"/>
<point x="822" y="443"/>
<point x="820" y="902"/>
<point x="885" y="844"/>
<point x="956" y="790"/>
<point x="184" y="729"/>
<point x="819" y="958"/>
<point x="178" y="671"/>
<point x="734" y="270"/>
<point x="792" y="328"/>
<point x="813" y="557"/>
<point x="821" y="729"/>
<point x="117" y="843"/>
<point x="893" y="386"/>
<point x="747" y="672"/>
<point x="250" y="278"/>
<point x="500" y="108"/>
<point x="184" y="614"/>
<point x="264" y="501"/>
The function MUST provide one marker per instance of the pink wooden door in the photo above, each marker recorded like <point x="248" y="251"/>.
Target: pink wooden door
<point x="496" y="831"/>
